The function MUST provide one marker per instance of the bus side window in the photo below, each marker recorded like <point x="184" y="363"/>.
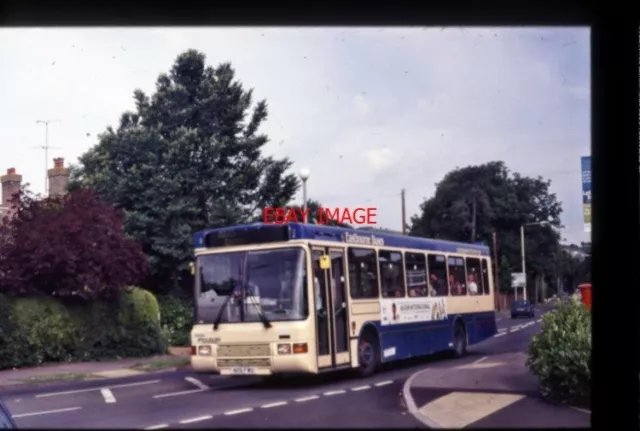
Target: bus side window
<point x="391" y="274"/>
<point x="457" y="283"/>
<point x="416" y="274"/>
<point x="485" y="277"/>
<point x="438" y="274"/>
<point x="474" y="276"/>
<point x="363" y="273"/>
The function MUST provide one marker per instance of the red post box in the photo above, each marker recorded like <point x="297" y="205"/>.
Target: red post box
<point x="585" y="293"/>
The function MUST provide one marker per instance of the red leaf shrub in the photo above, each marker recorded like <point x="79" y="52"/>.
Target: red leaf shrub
<point x="67" y="246"/>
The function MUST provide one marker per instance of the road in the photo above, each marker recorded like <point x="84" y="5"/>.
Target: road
<point x="184" y="400"/>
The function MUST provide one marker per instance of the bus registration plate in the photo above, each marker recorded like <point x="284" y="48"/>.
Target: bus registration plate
<point x="243" y="370"/>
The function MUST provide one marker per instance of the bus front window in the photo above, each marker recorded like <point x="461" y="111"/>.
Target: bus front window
<point x="271" y="282"/>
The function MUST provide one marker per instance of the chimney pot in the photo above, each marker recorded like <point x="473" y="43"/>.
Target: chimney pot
<point x="11" y="171"/>
<point x="58" y="162"/>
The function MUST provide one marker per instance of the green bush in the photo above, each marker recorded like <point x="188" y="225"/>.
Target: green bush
<point x="176" y="315"/>
<point x="560" y="354"/>
<point x="38" y="330"/>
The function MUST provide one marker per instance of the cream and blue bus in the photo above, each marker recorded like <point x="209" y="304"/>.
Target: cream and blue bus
<point x="304" y="298"/>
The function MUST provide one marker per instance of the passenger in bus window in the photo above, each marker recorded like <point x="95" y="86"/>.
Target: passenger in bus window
<point x="471" y="283"/>
<point x="456" y="287"/>
<point x="437" y="286"/>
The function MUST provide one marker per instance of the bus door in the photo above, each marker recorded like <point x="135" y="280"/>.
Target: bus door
<point x="330" y="303"/>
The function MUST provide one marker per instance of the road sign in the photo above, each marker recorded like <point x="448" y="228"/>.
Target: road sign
<point x="517" y="279"/>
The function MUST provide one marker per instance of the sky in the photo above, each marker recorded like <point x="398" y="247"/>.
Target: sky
<point x="369" y="111"/>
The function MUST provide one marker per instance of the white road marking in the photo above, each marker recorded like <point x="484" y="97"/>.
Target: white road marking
<point x="361" y="388"/>
<point x="500" y="334"/>
<point x="539" y="320"/>
<point x="502" y="329"/>
<point x="175" y="394"/>
<point x="279" y="403"/>
<point x="46" y="412"/>
<point x="514" y="329"/>
<point x="385" y="383"/>
<point x="196" y="382"/>
<point x="328" y="394"/>
<point x="198" y="419"/>
<point x="237" y="412"/>
<point x="157" y="427"/>
<point x="481" y="359"/>
<point x="302" y="400"/>
<point x="108" y="395"/>
<point x="78" y="391"/>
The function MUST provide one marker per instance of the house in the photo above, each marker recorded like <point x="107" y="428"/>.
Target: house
<point x="12" y="181"/>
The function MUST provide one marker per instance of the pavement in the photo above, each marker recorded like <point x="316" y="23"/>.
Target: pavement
<point x="181" y="399"/>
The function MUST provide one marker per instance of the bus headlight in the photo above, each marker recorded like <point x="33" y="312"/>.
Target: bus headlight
<point x="204" y="350"/>
<point x="284" y="349"/>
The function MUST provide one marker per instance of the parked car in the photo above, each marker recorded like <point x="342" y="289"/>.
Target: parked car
<point x="522" y="307"/>
<point x="6" y="421"/>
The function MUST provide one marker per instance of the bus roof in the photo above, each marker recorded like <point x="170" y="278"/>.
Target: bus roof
<point x="260" y="233"/>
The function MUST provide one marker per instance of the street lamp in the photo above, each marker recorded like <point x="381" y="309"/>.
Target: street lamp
<point x="524" y="271"/>
<point x="304" y="176"/>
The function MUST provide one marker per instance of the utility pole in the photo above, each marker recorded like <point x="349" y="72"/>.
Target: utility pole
<point x="404" y="214"/>
<point x="495" y="263"/>
<point x="46" y="148"/>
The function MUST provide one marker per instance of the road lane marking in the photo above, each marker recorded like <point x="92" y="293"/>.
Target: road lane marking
<point x="196" y="382"/>
<point x="198" y="419"/>
<point x="302" y="400"/>
<point x="78" y="391"/>
<point x="476" y="406"/>
<point x="328" y="394"/>
<point x="361" y="388"/>
<point x="157" y="427"/>
<point x="502" y="329"/>
<point x="481" y="359"/>
<point x="385" y="383"/>
<point x="279" y="403"/>
<point x="46" y="412"/>
<point x="175" y="394"/>
<point x="514" y="329"/>
<point x="539" y="320"/>
<point x="500" y="334"/>
<point x="237" y="412"/>
<point x="108" y="395"/>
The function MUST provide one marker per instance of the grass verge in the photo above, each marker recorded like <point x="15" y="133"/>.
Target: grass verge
<point x="161" y="364"/>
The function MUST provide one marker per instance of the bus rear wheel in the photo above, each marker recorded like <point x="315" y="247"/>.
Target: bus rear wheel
<point x="459" y="342"/>
<point x="368" y="355"/>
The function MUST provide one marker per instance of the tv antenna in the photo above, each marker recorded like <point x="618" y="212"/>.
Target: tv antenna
<point x="46" y="148"/>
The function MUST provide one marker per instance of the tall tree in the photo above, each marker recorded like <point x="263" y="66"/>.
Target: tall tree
<point x="473" y="202"/>
<point x="189" y="157"/>
<point x="67" y="246"/>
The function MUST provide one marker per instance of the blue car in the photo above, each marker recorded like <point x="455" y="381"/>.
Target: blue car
<point x="6" y="421"/>
<point x="522" y="307"/>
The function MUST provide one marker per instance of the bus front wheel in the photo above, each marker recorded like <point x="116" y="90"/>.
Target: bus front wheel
<point x="368" y="355"/>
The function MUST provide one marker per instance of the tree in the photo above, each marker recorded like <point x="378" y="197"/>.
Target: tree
<point x="189" y="157"/>
<point x="471" y="203"/>
<point x="67" y="246"/>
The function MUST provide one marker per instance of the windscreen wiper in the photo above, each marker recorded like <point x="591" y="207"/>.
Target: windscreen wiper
<point x="216" y="322"/>
<point x="263" y="318"/>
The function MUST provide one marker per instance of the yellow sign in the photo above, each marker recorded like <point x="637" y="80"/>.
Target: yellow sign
<point x="192" y="268"/>
<point x="325" y="262"/>
<point x="587" y="213"/>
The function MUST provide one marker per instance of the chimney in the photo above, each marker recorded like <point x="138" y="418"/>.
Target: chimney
<point x="10" y="186"/>
<point x="58" y="178"/>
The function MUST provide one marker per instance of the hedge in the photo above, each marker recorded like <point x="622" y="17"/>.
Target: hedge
<point x="36" y="330"/>
<point x="176" y="315"/>
<point x="560" y="354"/>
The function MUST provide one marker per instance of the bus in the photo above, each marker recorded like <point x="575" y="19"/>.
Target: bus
<point x="303" y="298"/>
